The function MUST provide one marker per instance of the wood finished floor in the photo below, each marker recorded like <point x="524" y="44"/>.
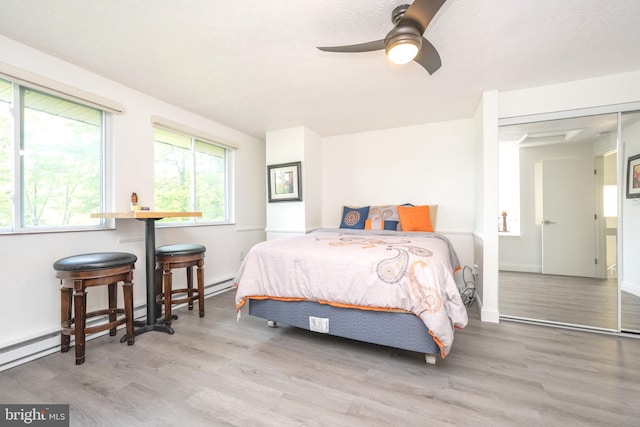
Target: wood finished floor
<point x="566" y="299"/>
<point x="216" y="371"/>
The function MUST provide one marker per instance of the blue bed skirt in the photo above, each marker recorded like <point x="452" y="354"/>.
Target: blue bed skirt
<point x="399" y="330"/>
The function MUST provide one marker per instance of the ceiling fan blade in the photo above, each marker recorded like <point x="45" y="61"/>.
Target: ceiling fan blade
<point x="428" y="57"/>
<point x="421" y="12"/>
<point x="354" y="48"/>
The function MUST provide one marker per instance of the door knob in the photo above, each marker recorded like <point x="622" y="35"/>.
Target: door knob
<point x="547" y="222"/>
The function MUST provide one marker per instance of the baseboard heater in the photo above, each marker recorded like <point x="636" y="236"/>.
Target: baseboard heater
<point x="49" y="343"/>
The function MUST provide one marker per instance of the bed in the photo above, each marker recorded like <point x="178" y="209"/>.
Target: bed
<point x="387" y="287"/>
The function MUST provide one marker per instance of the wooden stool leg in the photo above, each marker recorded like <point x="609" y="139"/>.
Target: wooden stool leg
<point x="200" y="274"/>
<point x="113" y="299"/>
<point x="127" y="291"/>
<point x="79" y="302"/>
<point x="166" y="279"/>
<point x="65" y="318"/>
<point x="190" y="287"/>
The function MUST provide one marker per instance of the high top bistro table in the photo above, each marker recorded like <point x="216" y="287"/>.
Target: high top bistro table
<point x="149" y="217"/>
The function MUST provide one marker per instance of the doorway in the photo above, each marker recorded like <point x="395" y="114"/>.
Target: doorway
<point x="567" y="214"/>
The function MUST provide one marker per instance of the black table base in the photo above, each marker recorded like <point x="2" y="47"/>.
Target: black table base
<point x="158" y="326"/>
<point x="142" y="327"/>
<point x="152" y="323"/>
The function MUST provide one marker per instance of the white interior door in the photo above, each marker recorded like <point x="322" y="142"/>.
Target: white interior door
<point x="568" y="222"/>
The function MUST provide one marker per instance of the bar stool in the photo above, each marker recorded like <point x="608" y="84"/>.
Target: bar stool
<point x="187" y="256"/>
<point x="79" y="272"/>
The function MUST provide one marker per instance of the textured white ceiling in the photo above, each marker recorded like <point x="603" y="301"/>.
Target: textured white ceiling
<point x="253" y="65"/>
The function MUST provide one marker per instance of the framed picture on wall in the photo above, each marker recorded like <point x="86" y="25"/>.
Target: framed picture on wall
<point x="285" y="182"/>
<point x="633" y="177"/>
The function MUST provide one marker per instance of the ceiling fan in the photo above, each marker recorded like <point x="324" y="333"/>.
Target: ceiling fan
<point x="405" y="41"/>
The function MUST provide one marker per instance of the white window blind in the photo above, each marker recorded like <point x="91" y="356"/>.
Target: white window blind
<point x="161" y="122"/>
<point x="39" y="82"/>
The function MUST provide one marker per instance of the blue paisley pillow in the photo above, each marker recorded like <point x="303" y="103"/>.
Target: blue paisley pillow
<point x="354" y="217"/>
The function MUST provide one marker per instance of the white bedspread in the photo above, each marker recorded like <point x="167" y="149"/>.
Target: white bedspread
<point x="382" y="270"/>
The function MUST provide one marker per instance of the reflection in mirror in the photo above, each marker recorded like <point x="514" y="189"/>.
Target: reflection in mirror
<point x="557" y="221"/>
<point x="630" y="278"/>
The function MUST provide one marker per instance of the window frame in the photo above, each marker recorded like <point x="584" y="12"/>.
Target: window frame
<point x="196" y="137"/>
<point x="17" y="195"/>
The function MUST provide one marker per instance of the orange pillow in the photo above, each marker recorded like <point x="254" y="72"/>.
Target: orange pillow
<point x="415" y="218"/>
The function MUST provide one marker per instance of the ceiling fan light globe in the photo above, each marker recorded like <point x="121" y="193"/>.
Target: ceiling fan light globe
<point x="402" y="52"/>
<point x="402" y="44"/>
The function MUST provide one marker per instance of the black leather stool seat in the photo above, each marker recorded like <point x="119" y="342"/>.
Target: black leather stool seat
<point x="180" y="249"/>
<point x="94" y="261"/>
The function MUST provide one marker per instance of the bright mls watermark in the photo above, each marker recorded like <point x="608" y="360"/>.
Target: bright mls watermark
<point x="34" y="415"/>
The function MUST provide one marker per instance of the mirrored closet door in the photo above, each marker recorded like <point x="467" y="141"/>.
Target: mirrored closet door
<point x="630" y="291"/>
<point x="557" y="223"/>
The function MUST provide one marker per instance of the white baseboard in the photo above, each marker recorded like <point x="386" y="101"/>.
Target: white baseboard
<point x="521" y="268"/>
<point x="35" y="348"/>
<point x="26" y="352"/>
<point x="632" y="288"/>
<point x="490" y="315"/>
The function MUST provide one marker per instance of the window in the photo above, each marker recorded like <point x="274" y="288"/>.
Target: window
<point x="6" y="154"/>
<point x="51" y="170"/>
<point x="610" y="200"/>
<point x="509" y="189"/>
<point x="190" y="175"/>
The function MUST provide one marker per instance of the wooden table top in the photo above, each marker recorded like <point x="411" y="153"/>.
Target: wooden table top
<point x="144" y="214"/>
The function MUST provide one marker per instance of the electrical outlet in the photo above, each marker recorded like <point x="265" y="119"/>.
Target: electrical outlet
<point x="319" y="324"/>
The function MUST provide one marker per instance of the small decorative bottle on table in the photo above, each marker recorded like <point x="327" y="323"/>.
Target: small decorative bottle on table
<point x="134" y="202"/>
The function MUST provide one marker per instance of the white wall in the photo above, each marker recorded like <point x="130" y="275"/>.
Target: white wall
<point x="488" y="243"/>
<point x="30" y="304"/>
<point x="312" y="180"/>
<point x="424" y="164"/>
<point x="286" y="219"/>
<point x="478" y="202"/>
<point x="602" y="91"/>
<point x="285" y="146"/>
